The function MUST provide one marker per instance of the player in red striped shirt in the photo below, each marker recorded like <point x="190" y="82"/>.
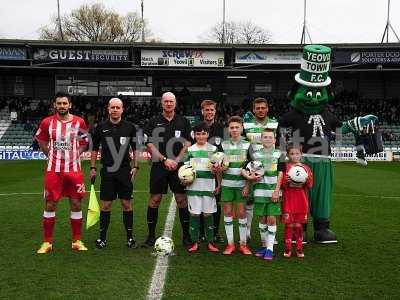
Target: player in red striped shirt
<point x="62" y="137"/>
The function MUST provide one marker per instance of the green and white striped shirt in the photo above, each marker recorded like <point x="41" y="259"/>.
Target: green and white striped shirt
<point x="237" y="154"/>
<point x="264" y="188"/>
<point x="199" y="157"/>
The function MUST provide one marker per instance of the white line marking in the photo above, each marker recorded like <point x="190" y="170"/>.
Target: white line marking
<point x="156" y="288"/>
<point x="366" y="196"/>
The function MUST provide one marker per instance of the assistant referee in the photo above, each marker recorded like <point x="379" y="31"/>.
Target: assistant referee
<point x="116" y="137"/>
<point x="167" y="137"/>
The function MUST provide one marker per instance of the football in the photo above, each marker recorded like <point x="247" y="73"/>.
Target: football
<point x="216" y="160"/>
<point x="164" y="246"/>
<point x="255" y="167"/>
<point x="187" y="174"/>
<point x="298" y="174"/>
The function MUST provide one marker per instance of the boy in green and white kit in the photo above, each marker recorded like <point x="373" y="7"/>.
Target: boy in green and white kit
<point x="233" y="185"/>
<point x="201" y="193"/>
<point x="266" y="191"/>
<point x="254" y="124"/>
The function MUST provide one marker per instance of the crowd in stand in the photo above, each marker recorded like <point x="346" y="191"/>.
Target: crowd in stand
<point x="346" y="105"/>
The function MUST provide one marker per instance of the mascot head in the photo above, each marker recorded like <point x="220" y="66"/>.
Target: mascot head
<point x="312" y="89"/>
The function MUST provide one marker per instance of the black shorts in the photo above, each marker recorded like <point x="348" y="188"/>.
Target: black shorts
<point x="161" y="178"/>
<point x="116" y="185"/>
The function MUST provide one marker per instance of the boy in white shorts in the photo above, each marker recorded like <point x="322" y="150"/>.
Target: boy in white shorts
<point x="201" y="193"/>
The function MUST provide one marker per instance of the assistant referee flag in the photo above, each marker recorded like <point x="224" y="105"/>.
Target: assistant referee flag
<point x="93" y="214"/>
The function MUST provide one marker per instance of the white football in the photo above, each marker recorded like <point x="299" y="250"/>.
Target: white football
<point x="216" y="160"/>
<point x="298" y="174"/>
<point x="164" y="246"/>
<point x="187" y="174"/>
<point x="255" y="167"/>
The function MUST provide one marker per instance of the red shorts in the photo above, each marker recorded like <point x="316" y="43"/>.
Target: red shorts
<point x="63" y="184"/>
<point x="288" y="218"/>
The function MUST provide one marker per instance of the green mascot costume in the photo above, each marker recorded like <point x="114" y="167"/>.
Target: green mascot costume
<point x="312" y="126"/>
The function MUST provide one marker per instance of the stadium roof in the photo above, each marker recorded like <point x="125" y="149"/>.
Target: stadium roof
<point x="42" y="43"/>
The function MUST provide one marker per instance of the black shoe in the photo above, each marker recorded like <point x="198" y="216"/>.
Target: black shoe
<point x="322" y="233"/>
<point x="219" y="239"/>
<point x="187" y="241"/>
<point x="325" y="236"/>
<point x="149" y="243"/>
<point x="131" y="243"/>
<point x="100" y="244"/>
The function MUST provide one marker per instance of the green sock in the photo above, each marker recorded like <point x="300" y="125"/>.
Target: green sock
<point x="194" y="228"/>
<point x="209" y="228"/>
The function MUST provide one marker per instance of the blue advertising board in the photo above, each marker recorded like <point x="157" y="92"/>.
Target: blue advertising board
<point x="12" y="53"/>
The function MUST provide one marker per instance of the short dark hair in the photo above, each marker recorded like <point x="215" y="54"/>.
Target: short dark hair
<point x="208" y="102"/>
<point x="236" y="119"/>
<point x="202" y="126"/>
<point x="291" y="146"/>
<point x="269" y="130"/>
<point x="260" y="100"/>
<point x="62" y="95"/>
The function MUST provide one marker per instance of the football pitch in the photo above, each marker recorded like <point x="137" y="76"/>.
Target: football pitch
<point x="365" y="264"/>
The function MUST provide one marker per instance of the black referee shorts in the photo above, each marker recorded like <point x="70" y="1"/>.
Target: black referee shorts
<point x="116" y="185"/>
<point x="161" y="178"/>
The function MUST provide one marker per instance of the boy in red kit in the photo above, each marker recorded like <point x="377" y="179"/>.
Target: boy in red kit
<point x="295" y="202"/>
<point x="62" y="137"/>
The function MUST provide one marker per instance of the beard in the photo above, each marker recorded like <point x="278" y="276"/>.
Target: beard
<point x="63" y="112"/>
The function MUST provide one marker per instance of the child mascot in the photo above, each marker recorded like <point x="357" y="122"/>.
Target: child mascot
<point x="312" y="126"/>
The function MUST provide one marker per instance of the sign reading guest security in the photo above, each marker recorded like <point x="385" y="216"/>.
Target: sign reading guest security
<point x="182" y="58"/>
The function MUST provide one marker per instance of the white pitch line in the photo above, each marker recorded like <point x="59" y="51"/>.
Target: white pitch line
<point x="156" y="288"/>
<point x="366" y="196"/>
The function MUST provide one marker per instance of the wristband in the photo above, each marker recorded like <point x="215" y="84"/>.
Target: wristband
<point x="164" y="159"/>
<point x="93" y="168"/>
<point x="135" y="167"/>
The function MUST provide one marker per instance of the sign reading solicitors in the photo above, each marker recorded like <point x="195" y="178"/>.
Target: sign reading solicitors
<point x="183" y="58"/>
<point x="268" y="57"/>
<point x="95" y="55"/>
<point x="367" y="57"/>
<point x="12" y="53"/>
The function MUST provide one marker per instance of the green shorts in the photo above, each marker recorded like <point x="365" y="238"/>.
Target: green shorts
<point x="267" y="209"/>
<point x="232" y="195"/>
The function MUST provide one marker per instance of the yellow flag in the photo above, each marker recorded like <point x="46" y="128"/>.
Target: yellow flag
<point x="93" y="214"/>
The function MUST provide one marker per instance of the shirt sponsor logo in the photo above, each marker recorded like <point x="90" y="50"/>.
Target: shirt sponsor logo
<point x="122" y="140"/>
<point x="62" y="145"/>
<point x="177" y="133"/>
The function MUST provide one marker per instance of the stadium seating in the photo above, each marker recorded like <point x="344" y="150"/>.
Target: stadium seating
<point x="13" y="135"/>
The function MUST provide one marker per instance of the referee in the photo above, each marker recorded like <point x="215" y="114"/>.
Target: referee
<point x="167" y="137"/>
<point x="116" y="137"/>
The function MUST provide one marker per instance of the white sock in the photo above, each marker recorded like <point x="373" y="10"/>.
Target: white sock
<point x="243" y="231"/>
<point x="229" y="229"/>
<point x="271" y="237"/>
<point x="76" y="215"/>
<point x="263" y="234"/>
<point x="249" y="216"/>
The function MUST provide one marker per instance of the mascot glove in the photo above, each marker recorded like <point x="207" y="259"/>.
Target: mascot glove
<point x="368" y="119"/>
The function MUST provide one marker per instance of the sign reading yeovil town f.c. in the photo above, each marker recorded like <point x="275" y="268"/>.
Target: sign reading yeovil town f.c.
<point x="183" y="58"/>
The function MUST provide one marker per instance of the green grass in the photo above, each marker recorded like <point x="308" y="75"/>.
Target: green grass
<point x="363" y="265"/>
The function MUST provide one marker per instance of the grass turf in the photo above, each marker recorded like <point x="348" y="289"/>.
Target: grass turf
<point x="364" y="265"/>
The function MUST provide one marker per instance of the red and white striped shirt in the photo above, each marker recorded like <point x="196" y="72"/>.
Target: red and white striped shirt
<point x="65" y="138"/>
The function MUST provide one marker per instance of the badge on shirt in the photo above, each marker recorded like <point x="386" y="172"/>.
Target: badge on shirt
<point x="122" y="140"/>
<point x="177" y="133"/>
<point x="217" y="140"/>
